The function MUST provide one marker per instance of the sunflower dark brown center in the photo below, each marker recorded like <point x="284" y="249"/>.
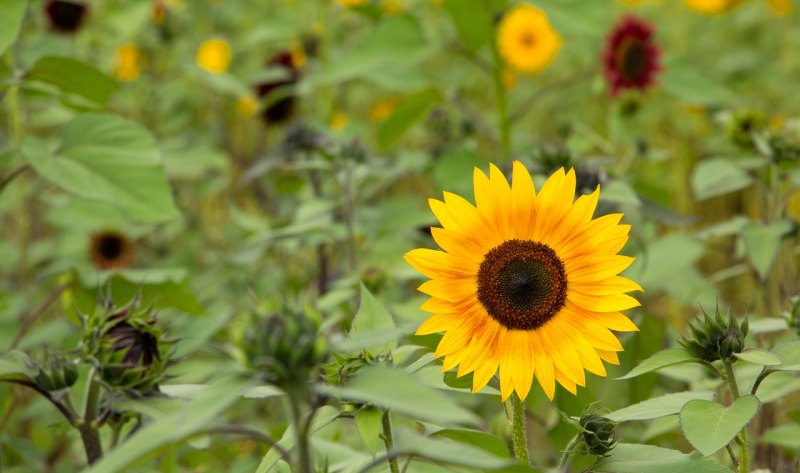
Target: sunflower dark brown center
<point x="527" y="39"/>
<point x="632" y="59"/>
<point x="110" y="247"/>
<point x="522" y="284"/>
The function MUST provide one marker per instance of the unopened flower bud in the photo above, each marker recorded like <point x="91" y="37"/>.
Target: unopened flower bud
<point x="599" y="434"/>
<point x="716" y="338"/>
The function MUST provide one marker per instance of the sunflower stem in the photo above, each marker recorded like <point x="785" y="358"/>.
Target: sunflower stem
<point x="519" y="436"/>
<point x="86" y="426"/>
<point x="504" y="124"/>
<point x="563" y="463"/>
<point x="389" y="442"/>
<point x="744" y="458"/>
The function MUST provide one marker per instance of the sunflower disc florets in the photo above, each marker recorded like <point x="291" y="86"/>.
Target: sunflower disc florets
<point x="716" y="338"/>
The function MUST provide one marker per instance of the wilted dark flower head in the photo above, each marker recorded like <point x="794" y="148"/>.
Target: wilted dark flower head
<point x="66" y="16"/>
<point x="110" y="249"/>
<point x="716" y="338"/>
<point x="280" y="101"/>
<point x="631" y="58"/>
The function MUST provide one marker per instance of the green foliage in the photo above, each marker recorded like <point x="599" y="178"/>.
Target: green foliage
<point x="709" y="426"/>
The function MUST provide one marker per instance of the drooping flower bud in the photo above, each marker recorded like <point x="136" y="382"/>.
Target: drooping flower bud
<point x="599" y="434"/>
<point x="54" y="373"/>
<point x="716" y="338"/>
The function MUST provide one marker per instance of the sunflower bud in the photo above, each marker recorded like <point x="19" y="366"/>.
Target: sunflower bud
<point x="793" y="314"/>
<point x="599" y="434"/>
<point x="744" y="125"/>
<point x="784" y="149"/>
<point x="716" y="338"/>
<point x="55" y="373"/>
<point x="284" y="349"/>
<point x="301" y="137"/>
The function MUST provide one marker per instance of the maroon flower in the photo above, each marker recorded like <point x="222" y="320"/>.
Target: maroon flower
<point x="631" y="57"/>
<point x="280" y="101"/>
<point x="65" y="16"/>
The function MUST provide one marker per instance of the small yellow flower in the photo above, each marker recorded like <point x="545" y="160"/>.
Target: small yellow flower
<point x="351" y="3"/>
<point x="299" y="58"/>
<point x="392" y="7"/>
<point x="526" y="40"/>
<point x="246" y="106"/>
<point x="214" y="55"/>
<point x="338" y="121"/>
<point x="713" y="7"/>
<point x="127" y="61"/>
<point x="780" y="7"/>
<point x="381" y="109"/>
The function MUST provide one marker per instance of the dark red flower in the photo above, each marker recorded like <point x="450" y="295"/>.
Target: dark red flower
<point x="631" y="58"/>
<point x="280" y="101"/>
<point x="66" y="16"/>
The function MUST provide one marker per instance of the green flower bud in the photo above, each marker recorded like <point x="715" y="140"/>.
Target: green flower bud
<point x="599" y="434"/>
<point x="744" y="125"/>
<point x="793" y="314"/>
<point x="716" y="339"/>
<point x="55" y="373"/>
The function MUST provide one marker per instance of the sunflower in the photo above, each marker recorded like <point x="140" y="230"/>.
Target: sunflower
<point x="631" y="57"/>
<point x="127" y="63"/>
<point x="527" y="283"/>
<point x="214" y="55"/>
<point x="280" y="101"/>
<point x="110" y="249"/>
<point x="713" y="7"/>
<point x="65" y="16"/>
<point x="525" y="39"/>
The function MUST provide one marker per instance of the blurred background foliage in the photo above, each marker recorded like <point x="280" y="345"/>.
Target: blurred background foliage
<point x="284" y="151"/>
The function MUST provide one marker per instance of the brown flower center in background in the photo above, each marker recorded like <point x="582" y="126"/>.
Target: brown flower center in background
<point x="522" y="284"/>
<point x="632" y="59"/>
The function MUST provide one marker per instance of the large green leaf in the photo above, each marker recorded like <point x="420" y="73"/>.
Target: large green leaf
<point x="762" y="242"/>
<point x="368" y="421"/>
<point x="473" y="20"/>
<point x="491" y="443"/>
<point x="719" y="176"/>
<point x="402" y="392"/>
<point x="12" y="12"/>
<point x="177" y="426"/>
<point x="447" y="451"/>
<point x="635" y="458"/>
<point x="691" y="85"/>
<point x="662" y="359"/>
<point x="660" y="406"/>
<point x="373" y="318"/>
<point x="12" y="367"/>
<point x="408" y="112"/>
<point x="759" y="357"/>
<point x="111" y="159"/>
<point x="787" y="436"/>
<point x="74" y="77"/>
<point x="709" y="426"/>
<point x="324" y="416"/>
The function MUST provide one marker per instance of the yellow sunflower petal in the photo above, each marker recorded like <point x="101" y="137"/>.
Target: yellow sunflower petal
<point x="544" y="369"/>
<point x="520" y="357"/>
<point x="454" y="290"/>
<point x="439" y="323"/>
<point x="608" y="356"/>
<point x="613" y="285"/>
<point x="433" y="263"/>
<point x="563" y="380"/>
<point x="608" y="303"/>
<point x="523" y="201"/>
<point x="563" y="353"/>
<point x="483" y="374"/>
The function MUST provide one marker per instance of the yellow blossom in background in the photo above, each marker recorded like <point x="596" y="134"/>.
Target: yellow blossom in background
<point x="382" y="109"/>
<point x="127" y="61"/>
<point x="526" y="40"/>
<point x="438" y="2"/>
<point x="159" y="11"/>
<point x="351" y="3"/>
<point x="299" y="58"/>
<point x="246" y="106"/>
<point x="392" y="7"/>
<point x="338" y="121"/>
<point x="780" y="7"/>
<point x="712" y="7"/>
<point x="214" y="55"/>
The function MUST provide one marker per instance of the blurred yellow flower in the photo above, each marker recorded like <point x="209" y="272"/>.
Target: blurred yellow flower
<point x="159" y="11"/>
<point x="712" y="7"/>
<point x="780" y="7"/>
<point x="525" y="39"/>
<point x="351" y="3"/>
<point x="382" y="109"/>
<point x="338" y="121"/>
<point x="246" y="106"/>
<point x="127" y="61"/>
<point x="214" y="55"/>
<point x="392" y="7"/>
<point x="299" y="58"/>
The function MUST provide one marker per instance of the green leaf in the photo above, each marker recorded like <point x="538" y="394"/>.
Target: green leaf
<point x="401" y="392"/>
<point x="762" y="243"/>
<point x="458" y="382"/>
<point x="373" y="318"/>
<point x="660" y="406"/>
<point x="368" y="421"/>
<point x="759" y="357"/>
<point x="12" y="12"/>
<point x="662" y="359"/>
<point x="409" y="111"/>
<point x="325" y="415"/>
<point x="713" y="177"/>
<point x="789" y="352"/>
<point x="709" y="426"/>
<point x="180" y="425"/>
<point x="108" y="158"/>
<point x="635" y="458"/>
<point x="446" y="451"/>
<point x="74" y="77"/>
<point x="491" y="443"/>
<point x="691" y="85"/>
<point x="786" y="436"/>
<point x="12" y="367"/>
<point x="472" y="19"/>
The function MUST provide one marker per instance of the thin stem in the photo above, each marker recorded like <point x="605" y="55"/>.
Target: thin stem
<point x="86" y="425"/>
<point x="761" y="377"/>
<point x="744" y="461"/>
<point x="233" y="429"/>
<point x="387" y="440"/>
<point x="30" y="319"/>
<point x="732" y="455"/>
<point x="563" y="463"/>
<point x="303" y="461"/>
<point x="519" y="437"/>
<point x="504" y="123"/>
<point x="11" y="175"/>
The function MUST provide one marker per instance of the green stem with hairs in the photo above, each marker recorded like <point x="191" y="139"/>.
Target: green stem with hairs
<point x="563" y="463"/>
<point x="519" y="436"/>
<point x="744" y="458"/>
<point x="87" y="424"/>
<point x="389" y="442"/>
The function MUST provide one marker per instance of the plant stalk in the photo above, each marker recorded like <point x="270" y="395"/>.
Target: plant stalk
<point x="389" y="442"/>
<point x="504" y="124"/>
<point x="519" y="437"/>
<point x="563" y="463"/>
<point x="86" y="426"/>
<point x="303" y="460"/>
<point x="744" y="457"/>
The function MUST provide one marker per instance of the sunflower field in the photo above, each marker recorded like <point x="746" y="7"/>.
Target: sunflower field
<point x="401" y="236"/>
